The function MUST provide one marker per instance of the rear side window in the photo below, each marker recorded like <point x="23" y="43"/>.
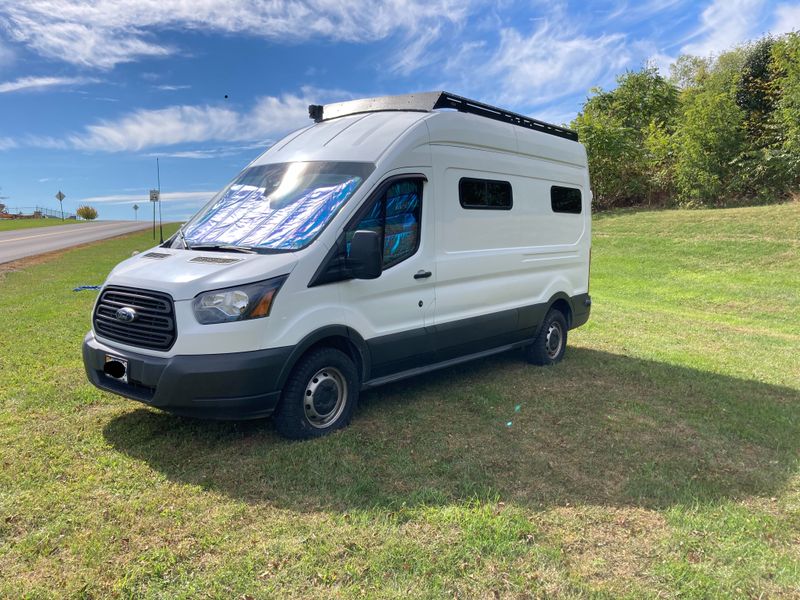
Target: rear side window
<point x="565" y="200"/>
<point x="484" y="194"/>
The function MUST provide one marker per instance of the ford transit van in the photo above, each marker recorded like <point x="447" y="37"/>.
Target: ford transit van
<point x="391" y="237"/>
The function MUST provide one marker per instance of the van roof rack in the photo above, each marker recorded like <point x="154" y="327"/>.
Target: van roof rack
<point x="429" y="101"/>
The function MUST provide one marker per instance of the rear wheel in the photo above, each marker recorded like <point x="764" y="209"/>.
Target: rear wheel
<point x="549" y="345"/>
<point x="320" y="395"/>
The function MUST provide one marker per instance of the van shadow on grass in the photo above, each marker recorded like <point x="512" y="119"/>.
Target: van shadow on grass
<point x="598" y="428"/>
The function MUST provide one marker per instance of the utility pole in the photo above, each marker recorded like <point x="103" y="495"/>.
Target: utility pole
<point x="136" y="212"/>
<point x="60" y="197"/>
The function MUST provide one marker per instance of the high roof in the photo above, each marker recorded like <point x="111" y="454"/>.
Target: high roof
<point x="361" y="138"/>
<point x="430" y="101"/>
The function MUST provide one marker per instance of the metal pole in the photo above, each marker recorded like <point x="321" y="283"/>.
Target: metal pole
<point x="160" y="223"/>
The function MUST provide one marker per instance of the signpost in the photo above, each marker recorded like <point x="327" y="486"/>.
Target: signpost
<point x="154" y="198"/>
<point x="136" y="212"/>
<point x="60" y="197"/>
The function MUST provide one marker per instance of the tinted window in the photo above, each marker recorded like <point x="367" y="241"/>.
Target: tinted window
<point x="484" y="194"/>
<point x="395" y="216"/>
<point x="565" y="200"/>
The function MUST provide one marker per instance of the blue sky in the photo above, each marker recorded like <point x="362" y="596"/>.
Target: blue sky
<point x="92" y="92"/>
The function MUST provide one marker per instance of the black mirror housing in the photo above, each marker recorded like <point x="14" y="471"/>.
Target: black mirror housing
<point x="366" y="258"/>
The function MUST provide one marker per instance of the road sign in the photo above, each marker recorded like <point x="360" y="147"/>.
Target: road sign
<point x="60" y="197"/>
<point x="154" y="195"/>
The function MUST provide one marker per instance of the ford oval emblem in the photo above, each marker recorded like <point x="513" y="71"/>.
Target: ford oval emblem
<point x="125" y="314"/>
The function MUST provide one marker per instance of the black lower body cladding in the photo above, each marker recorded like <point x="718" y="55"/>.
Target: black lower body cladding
<point x="247" y="385"/>
<point x="581" y="308"/>
<point x="241" y="385"/>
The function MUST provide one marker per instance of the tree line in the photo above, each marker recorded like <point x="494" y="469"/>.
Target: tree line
<point x="718" y="131"/>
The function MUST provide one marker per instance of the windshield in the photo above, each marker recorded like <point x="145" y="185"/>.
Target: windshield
<point x="278" y="207"/>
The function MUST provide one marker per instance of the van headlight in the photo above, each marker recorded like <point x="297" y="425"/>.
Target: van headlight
<point x="251" y="301"/>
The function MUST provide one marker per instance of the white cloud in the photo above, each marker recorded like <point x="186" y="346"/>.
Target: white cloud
<point x="556" y="115"/>
<point x="220" y="152"/>
<point x="662" y="62"/>
<point x="192" y="124"/>
<point x="553" y="61"/>
<point x="194" y="197"/>
<point x="107" y="32"/>
<point x="172" y="88"/>
<point x="196" y="154"/>
<point x="162" y="127"/>
<point x="725" y="23"/>
<point x="270" y="117"/>
<point x="6" y="143"/>
<point x="416" y="53"/>
<point x="787" y="18"/>
<point x="176" y="205"/>
<point x="640" y="11"/>
<point x="46" y="142"/>
<point x="38" y="83"/>
<point x="6" y="55"/>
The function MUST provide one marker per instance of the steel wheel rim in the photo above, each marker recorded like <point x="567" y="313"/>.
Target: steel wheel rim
<point x="554" y="340"/>
<point x="325" y="397"/>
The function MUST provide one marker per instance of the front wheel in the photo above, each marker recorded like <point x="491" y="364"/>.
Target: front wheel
<point x="319" y="397"/>
<point x="549" y="345"/>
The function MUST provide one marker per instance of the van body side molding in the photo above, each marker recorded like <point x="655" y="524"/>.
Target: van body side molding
<point x="424" y="349"/>
<point x="372" y="383"/>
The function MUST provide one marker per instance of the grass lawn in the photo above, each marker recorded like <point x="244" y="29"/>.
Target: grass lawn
<point x="14" y="224"/>
<point x="659" y="460"/>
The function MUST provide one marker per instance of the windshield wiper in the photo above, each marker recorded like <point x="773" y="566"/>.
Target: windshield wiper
<point x="224" y="248"/>
<point x="183" y="239"/>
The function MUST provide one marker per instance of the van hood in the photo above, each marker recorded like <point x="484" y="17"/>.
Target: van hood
<point x="185" y="273"/>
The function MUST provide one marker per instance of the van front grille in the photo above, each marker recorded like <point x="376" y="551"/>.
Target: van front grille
<point x="153" y="323"/>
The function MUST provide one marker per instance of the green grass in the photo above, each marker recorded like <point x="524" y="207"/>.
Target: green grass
<point x="14" y="224"/>
<point x="659" y="460"/>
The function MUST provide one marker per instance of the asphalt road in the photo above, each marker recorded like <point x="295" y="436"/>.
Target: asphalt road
<point x="30" y="242"/>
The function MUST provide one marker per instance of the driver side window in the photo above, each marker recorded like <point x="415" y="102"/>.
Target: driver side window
<point x="396" y="216"/>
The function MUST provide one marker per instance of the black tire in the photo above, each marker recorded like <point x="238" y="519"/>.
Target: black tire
<point x="549" y="345"/>
<point x="320" y="395"/>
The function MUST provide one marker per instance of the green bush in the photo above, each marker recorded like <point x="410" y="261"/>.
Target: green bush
<point x="720" y="131"/>
<point x="86" y="212"/>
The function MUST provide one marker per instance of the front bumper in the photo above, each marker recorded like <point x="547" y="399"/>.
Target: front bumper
<point x="240" y="385"/>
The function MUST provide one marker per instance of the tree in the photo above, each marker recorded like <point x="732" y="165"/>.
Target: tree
<point x="689" y="71"/>
<point x="614" y="152"/>
<point x="720" y="130"/>
<point x="706" y="142"/>
<point x="615" y="127"/>
<point x="786" y="117"/>
<point x="86" y="212"/>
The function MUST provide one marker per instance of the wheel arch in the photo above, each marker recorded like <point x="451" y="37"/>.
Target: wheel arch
<point x="563" y="304"/>
<point x="340" y="337"/>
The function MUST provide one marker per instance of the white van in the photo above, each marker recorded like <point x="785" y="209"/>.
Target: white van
<point x="388" y="239"/>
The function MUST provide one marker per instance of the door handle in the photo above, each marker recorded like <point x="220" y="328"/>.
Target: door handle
<point x="422" y="274"/>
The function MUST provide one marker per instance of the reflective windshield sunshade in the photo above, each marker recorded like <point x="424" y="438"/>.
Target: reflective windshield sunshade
<point x="278" y="206"/>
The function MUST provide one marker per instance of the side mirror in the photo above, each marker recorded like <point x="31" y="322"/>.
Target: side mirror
<point x="366" y="259"/>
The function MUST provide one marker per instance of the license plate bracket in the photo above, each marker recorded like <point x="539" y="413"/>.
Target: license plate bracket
<point x="116" y="368"/>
